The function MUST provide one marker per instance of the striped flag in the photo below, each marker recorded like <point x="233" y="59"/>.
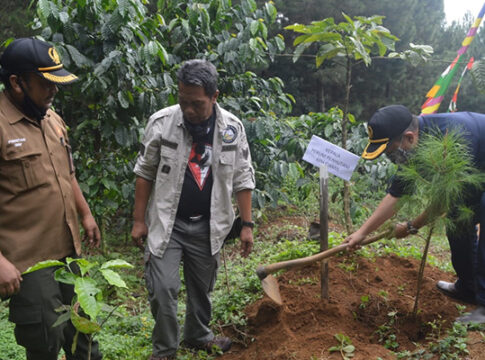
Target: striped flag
<point x="436" y="94"/>
<point x="452" y="107"/>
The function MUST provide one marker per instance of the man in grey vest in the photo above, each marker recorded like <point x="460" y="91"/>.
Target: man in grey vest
<point x="194" y="157"/>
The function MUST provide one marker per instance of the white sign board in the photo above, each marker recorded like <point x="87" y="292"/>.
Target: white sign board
<point x="339" y="162"/>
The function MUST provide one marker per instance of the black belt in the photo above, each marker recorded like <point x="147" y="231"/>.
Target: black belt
<point x="193" y="218"/>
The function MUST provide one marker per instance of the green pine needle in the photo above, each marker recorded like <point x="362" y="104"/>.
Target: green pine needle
<point x="440" y="176"/>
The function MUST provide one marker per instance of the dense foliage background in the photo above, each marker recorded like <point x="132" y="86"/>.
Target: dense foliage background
<point x="127" y="52"/>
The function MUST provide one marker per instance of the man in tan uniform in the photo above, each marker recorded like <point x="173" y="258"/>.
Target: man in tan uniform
<point x="40" y="199"/>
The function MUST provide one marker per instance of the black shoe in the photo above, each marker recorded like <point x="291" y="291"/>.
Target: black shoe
<point x="450" y="290"/>
<point x="218" y="344"/>
<point x="169" y="357"/>
<point x="477" y="316"/>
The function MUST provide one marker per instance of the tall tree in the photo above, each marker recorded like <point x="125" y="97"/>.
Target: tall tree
<point x="415" y="21"/>
<point x="352" y="41"/>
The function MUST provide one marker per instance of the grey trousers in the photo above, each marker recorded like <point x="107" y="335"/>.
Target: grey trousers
<point x="189" y="244"/>
<point x="33" y="312"/>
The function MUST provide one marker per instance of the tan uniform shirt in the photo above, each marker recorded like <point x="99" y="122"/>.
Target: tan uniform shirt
<point x="38" y="218"/>
<point x="167" y="146"/>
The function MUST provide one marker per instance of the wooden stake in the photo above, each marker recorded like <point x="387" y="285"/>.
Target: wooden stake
<point x="324" y="229"/>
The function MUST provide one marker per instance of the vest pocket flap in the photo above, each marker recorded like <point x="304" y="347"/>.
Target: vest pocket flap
<point x="20" y="153"/>
<point x="24" y="173"/>
<point x="25" y="314"/>
<point x="227" y="158"/>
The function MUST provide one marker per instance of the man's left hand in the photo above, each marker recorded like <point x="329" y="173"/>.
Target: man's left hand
<point x="92" y="235"/>
<point x="246" y="241"/>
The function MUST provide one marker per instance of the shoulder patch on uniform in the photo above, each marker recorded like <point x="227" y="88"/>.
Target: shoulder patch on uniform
<point x="229" y="134"/>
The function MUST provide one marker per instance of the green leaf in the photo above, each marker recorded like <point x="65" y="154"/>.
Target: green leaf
<point x="322" y="37"/>
<point x="84" y="325"/>
<point x="264" y="30"/>
<point x="254" y="27"/>
<point x="79" y="59"/>
<point x="271" y="11"/>
<point x="125" y="104"/>
<point x="84" y="265"/>
<point x="121" y="136"/>
<point x="43" y="265"/>
<point x="349" y="348"/>
<point x="86" y="290"/>
<point x="113" y="278"/>
<point x="64" y="17"/>
<point x="43" y="8"/>
<point x="162" y="53"/>
<point x="299" y="50"/>
<point x="62" y="319"/>
<point x="280" y="43"/>
<point x="118" y="263"/>
<point x="64" y="276"/>
<point x="74" y="342"/>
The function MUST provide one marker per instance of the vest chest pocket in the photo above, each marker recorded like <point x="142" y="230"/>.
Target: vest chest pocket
<point x="168" y="159"/>
<point x="226" y="161"/>
<point x="22" y="172"/>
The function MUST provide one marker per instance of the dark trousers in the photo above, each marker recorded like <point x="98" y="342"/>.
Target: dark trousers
<point x="468" y="253"/>
<point x="190" y="245"/>
<point x="33" y="312"/>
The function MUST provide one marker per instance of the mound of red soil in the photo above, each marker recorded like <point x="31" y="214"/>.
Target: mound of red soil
<point x="370" y="301"/>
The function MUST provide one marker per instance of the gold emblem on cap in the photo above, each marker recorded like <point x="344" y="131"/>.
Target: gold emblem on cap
<point x="54" y="56"/>
<point x="370" y="131"/>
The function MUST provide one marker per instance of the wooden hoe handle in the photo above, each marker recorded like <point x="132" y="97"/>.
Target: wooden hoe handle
<point x="264" y="271"/>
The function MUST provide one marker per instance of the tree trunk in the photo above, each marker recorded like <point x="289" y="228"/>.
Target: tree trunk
<point x="346" y="191"/>
<point x="321" y="96"/>
<point x="421" y="271"/>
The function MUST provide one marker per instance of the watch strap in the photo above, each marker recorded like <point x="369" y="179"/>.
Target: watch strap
<point x="411" y="228"/>
<point x="248" y="224"/>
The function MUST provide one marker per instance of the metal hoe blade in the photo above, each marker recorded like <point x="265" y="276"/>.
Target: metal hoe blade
<point x="272" y="289"/>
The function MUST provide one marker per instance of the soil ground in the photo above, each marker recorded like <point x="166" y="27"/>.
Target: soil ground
<point x="370" y="301"/>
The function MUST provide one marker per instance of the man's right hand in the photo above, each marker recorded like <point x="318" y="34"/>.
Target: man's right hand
<point x="353" y="240"/>
<point x="10" y="278"/>
<point x="139" y="233"/>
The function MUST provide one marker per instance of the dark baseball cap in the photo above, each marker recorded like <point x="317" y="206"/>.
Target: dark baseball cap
<point x="32" y="55"/>
<point x="386" y="124"/>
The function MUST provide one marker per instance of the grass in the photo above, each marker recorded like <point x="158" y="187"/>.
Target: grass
<point x="128" y="334"/>
<point x="9" y="350"/>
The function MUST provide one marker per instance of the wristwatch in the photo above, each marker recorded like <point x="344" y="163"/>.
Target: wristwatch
<point x="249" y="224"/>
<point x="411" y="228"/>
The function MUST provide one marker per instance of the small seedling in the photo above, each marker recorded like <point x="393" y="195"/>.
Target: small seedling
<point x="348" y="266"/>
<point x="386" y="332"/>
<point x="345" y="346"/>
<point x="461" y="308"/>
<point x="436" y="328"/>
<point x="364" y="301"/>
<point x="383" y="294"/>
<point x="93" y="284"/>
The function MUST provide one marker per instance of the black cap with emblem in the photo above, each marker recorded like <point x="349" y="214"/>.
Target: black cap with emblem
<point x="32" y="55"/>
<point x="386" y="124"/>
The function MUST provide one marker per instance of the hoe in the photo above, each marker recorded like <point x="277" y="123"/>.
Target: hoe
<point x="269" y="282"/>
